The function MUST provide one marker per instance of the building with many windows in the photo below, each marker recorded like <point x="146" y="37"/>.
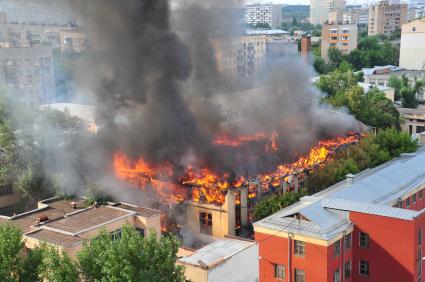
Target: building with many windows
<point x="28" y="73"/>
<point x="386" y="17"/>
<point x="242" y="56"/>
<point x="339" y="36"/>
<point x="367" y="228"/>
<point x="268" y="13"/>
<point x="40" y="12"/>
<point x="322" y="11"/>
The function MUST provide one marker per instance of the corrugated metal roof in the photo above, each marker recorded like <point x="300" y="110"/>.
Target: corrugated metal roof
<point x="347" y="205"/>
<point x="216" y="252"/>
<point x="372" y="192"/>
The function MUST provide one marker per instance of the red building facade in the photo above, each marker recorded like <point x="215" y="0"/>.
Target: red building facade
<point x="367" y="228"/>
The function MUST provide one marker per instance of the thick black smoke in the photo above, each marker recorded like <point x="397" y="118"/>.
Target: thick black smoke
<point x="159" y="94"/>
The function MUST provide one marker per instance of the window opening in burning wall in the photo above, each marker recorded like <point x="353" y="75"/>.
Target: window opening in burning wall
<point x="205" y="223"/>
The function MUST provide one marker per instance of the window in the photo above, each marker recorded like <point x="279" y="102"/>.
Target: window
<point x="414" y="28"/>
<point x="299" y="275"/>
<point x="205" y="223"/>
<point x="345" y="44"/>
<point x="364" y="268"/>
<point x="337" y="248"/>
<point x="420" y="129"/>
<point x="408" y="203"/>
<point x="421" y="194"/>
<point x="414" y="199"/>
<point x="347" y="241"/>
<point x="337" y="276"/>
<point x="419" y="237"/>
<point x="279" y="271"/>
<point x="116" y="235"/>
<point x="334" y="38"/>
<point x="299" y="248"/>
<point x="6" y="190"/>
<point x="364" y="240"/>
<point x="347" y="269"/>
<point x="141" y="231"/>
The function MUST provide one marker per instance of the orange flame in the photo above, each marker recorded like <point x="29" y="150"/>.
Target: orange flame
<point x="204" y="185"/>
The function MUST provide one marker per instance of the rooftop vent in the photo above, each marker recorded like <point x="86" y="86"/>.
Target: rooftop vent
<point x="350" y="178"/>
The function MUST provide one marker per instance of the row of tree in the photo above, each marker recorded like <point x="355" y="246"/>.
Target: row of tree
<point x="370" y="152"/>
<point x="130" y="258"/>
<point x="371" y="51"/>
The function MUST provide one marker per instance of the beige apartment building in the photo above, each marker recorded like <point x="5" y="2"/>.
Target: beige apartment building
<point x="340" y="36"/>
<point x="385" y="18"/>
<point x="412" y="45"/>
<point x="241" y="56"/>
<point x="322" y="11"/>
<point x="66" y="224"/>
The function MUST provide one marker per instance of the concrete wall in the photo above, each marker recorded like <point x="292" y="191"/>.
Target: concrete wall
<point x="412" y="48"/>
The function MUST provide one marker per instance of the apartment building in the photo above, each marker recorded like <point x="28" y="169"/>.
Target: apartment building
<point x="369" y="227"/>
<point x="322" y="11"/>
<point x="420" y="12"/>
<point x="39" y="12"/>
<point x="412" y="45"/>
<point x="28" y="73"/>
<point x="67" y="223"/>
<point x="340" y="36"/>
<point x="268" y="13"/>
<point x="240" y="57"/>
<point x="386" y="17"/>
<point x="356" y="16"/>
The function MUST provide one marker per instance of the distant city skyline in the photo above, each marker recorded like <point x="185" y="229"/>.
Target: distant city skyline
<point x="305" y="2"/>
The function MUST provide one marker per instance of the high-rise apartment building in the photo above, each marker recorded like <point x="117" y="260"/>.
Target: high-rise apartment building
<point x="385" y="17"/>
<point x="322" y="11"/>
<point x="40" y="12"/>
<point x="240" y="56"/>
<point x="369" y="227"/>
<point x="28" y="73"/>
<point x="340" y="36"/>
<point x="269" y="13"/>
<point x="412" y="45"/>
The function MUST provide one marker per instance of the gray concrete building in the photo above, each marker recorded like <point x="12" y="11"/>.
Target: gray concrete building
<point x="40" y="12"/>
<point x="28" y="72"/>
<point x="268" y="13"/>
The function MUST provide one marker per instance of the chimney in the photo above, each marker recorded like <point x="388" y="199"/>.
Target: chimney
<point x="350" y="179"/>
<point x="73" y="205"/>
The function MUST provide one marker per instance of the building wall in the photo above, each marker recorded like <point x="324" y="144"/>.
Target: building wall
<point x="243" y="56"/>
<point x="223" y="218"/>
<point x="319" y="262"/>
<point x="28" y="72"/>
<point x="412" y="48"/>
<point x="326" y="10"/>
<point x="342" y="37"/>
<point x="391" y="247"/>
<point x="241" y="267"/>
<point x="385" y="18"/>
<point x="264" y="13"/>
<point x="45" y="12"/>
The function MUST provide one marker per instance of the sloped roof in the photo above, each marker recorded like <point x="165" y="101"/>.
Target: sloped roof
<point x="216" y="252"/>
<point x="373" y="191"/>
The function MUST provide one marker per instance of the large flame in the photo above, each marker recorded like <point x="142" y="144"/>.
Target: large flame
<point x="204" y="185"/>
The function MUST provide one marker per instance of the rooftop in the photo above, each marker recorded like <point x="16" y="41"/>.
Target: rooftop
<point x="373" y="191"/>
<point x="80" y="221"/>
<point x="56" y="238"/>
<point x="145" y="212"/>
<point x="266" y="32"/>
<point x="217" y="252"/>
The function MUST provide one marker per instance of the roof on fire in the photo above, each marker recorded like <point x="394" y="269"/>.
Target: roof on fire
<point x="373" y="191"/>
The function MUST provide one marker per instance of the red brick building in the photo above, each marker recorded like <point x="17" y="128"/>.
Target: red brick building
<point x="367" y="228"/>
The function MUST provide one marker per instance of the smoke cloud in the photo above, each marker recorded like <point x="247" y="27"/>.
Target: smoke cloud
<point x="159" y="94"/>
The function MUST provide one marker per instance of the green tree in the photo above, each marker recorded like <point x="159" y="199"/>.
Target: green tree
<point x="56" y="266"/>
<point x="336" y="82"/>
<point x="11" y="245"/>
<point x="274" y="203"/>
<point x="131" y="258"/>
<point x="396" y="143"/>
<point x="30" y="267"/>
